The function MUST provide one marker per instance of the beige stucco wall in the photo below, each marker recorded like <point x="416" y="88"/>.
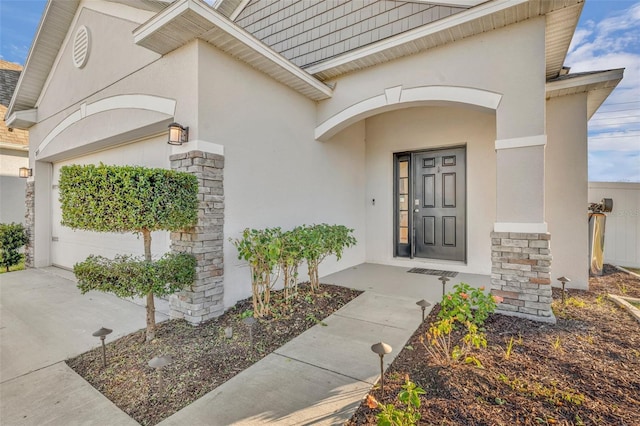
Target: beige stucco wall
<point x="275" y="173"/>
<point x="12" y="187"/>
<point x="428" y="128"/>
<point x="510" y="62"/>
<point x="566" y="188"/>
<point x="172" y="78"/>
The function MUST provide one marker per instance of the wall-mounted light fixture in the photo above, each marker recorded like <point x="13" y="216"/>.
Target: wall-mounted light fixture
<point x="25" y="172"/>
<point x="178" y="134"/>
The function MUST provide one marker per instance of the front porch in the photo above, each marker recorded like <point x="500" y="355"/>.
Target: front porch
<point x="396" y="281"/>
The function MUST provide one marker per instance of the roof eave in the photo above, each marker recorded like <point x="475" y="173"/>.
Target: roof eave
<point x="597" y="85"/>
<point x="22" y="119"/>
<point x="57" y="14"/>
<point x="473" y="21"/>
<point x="186" y="20"/>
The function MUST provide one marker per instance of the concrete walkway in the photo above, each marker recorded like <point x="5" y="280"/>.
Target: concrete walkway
<point x="43" y="321"/>
<point x="318" y="378"/>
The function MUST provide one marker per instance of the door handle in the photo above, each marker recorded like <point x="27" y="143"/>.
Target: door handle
<point x="416" y="211"/>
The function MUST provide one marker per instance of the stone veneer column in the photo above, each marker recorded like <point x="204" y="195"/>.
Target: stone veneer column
<point x="203" y="300"/>
<point x="520" y="274"/>
<point x="29" y="222"/>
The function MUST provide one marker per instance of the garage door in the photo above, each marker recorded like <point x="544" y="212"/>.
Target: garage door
<point x="68" y="246"/>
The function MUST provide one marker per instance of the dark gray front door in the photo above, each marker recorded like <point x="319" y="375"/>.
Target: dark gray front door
<point x="438" y="202"/>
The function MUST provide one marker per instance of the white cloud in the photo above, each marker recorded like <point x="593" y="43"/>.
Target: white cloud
<point x="614" y="131"/>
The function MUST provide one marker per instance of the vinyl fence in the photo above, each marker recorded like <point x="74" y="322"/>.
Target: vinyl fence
<point x="622" y="232"/>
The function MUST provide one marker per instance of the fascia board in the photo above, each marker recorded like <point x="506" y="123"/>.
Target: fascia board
<point x="222" y="23"/>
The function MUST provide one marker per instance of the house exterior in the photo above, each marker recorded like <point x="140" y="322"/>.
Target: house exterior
<point x="14" y="151"/>
<point x="448" y="134"/>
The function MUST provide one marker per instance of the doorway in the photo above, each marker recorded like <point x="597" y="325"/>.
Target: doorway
<point x="430" y="204"/>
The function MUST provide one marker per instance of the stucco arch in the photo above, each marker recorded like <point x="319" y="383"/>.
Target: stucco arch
<point x="163" y="107"/>
<point x="396" y="98"/>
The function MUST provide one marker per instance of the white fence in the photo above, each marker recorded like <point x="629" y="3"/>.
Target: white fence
<point x="622" y="232"/>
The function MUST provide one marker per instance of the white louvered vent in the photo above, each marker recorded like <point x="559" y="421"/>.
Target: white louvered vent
<point x="81" y="47"/>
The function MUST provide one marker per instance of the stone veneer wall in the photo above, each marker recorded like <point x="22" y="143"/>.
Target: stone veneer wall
<point x="29" y="222"/>
<point x="203" y="300"/>
<point x="520" y="274"/>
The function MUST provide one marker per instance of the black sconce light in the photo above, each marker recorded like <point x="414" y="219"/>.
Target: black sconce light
<point x="25" y="172"/>
<point x="178" y="134"/>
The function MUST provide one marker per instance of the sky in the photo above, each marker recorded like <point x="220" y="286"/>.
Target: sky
<point x="607" y="37"/>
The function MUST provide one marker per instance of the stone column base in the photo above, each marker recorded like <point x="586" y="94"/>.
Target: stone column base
<point x="29" y="223"/>
<point x="520" y="274"/>
<point x="204" y="300"/>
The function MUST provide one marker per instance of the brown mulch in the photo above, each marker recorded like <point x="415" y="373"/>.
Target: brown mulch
<point x="585" y="370"/>
<point x="203" y="358"/>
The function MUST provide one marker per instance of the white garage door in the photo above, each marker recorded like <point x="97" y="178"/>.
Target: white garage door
<point x="68" y="246"/>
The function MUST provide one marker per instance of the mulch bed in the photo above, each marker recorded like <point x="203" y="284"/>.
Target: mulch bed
<point x="585" y="370"/>
<point x="203" y="358"/>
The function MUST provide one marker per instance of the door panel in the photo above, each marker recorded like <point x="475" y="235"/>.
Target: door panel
<point x="439" y="204"/>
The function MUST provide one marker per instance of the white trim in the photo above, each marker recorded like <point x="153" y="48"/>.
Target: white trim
<point x="397" y="97"/>
<point x="583" y="81"/>
<point x="22" y="119"/>
<point x="418" y="33"/>
<point x="453" y="3"/>
<point x="521" y="142"/>
<point x="239" y="10"/>
<point x="526" y="228"/>
<point x="198" y="145"/>
<point x="217" y="20"/>
<point x="146" y="102"/>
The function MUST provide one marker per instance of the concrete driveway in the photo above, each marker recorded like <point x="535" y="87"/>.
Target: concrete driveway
<point x="43" y="321"/>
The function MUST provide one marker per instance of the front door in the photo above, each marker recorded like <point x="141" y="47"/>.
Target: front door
<point x="436" y="195"/>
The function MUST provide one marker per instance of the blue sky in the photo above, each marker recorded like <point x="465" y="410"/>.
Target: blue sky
<point x="608" y="36"/>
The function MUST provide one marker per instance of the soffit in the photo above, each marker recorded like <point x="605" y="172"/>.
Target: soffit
<point x="562" y="18"/>
<point x="186" y="20"/>
<point x="597" y="84"/>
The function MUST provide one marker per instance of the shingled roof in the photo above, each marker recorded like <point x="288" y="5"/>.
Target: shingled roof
<point x="10" y="138"/>
<point x="9" y="74"/>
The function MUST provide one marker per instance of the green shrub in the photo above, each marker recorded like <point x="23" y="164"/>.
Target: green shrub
<point x="128" y="276"/>
<point x="466" y="303"/>
<point x="262" y="249"/>
<point x="130" y="199"/>
<point x="290" y="259"/>
<point x="12" y="237"/>
<point x="320" y="241"/>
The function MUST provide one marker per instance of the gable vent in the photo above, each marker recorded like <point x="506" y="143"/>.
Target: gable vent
<point x="81" y="46"/>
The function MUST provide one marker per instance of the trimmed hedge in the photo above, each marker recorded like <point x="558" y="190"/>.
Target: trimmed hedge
<point x="12" y="237"/>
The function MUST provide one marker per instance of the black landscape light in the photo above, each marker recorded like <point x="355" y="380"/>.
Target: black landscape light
<point x="563" y="280"/>
<point x="444" y="283"/>
<point x="102" y="334"/>
<point x="423" y="305"/>
<point x="381" y="349"/>
<point x="158" y="363"/>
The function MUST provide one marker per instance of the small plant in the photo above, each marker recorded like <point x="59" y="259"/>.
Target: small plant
<point x="320" y="241"/>
<point x="440" y="348"/>
<point x="466" y="303"/>
<point x="12" y="237"/>
<point x="577" y="303"/>
<point x="550" y="393"/>
<point x="557" y="344"/>
<point x="389" y="415"/>
<point x="507" y="353"/>
<point x="262" y="249"/>
<point x="246" y="314"/>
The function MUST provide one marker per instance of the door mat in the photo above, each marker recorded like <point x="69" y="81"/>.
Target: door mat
<point x="437" y="272"/>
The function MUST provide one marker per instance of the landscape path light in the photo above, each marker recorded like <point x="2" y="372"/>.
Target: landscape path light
<point x="158" y="363"/>
<point x="563" y="280"/>
<point x="444" y="283"/>
<point x="423" y="305"/>
<point x="249" y="321"/>
<point x="102" y="334"/>
<point x="381" y="349"/>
